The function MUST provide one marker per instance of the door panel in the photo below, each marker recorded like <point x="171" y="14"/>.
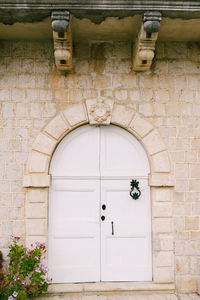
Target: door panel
<point x="129" y="248"/>
<point x="77" y="154"/>
<point x="74" y="232"/>
<point x="121" y="154"/>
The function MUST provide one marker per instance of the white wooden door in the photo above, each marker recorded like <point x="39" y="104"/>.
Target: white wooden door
<point x="91" y="173"/>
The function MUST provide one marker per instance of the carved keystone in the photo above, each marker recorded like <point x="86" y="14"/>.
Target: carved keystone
<point x="99" y="111"/>
<point x="62" y="40"/>
<point x="143" y="52"/>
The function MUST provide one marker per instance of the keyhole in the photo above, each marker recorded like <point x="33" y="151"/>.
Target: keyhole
<point x="103" y="206"/>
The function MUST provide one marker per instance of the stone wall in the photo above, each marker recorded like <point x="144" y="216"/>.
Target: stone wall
<point x="32" y="92"/>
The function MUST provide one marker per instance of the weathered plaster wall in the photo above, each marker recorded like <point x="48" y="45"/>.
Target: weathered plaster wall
<point x="32" y="92"/>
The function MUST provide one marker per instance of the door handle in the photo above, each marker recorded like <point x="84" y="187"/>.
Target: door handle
<point x="112" y="223"/>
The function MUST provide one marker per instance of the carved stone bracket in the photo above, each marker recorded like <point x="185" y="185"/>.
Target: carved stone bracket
<point x="143" y="52"/>
<point x="99" y="111"/>
<point x="62" y="37"/>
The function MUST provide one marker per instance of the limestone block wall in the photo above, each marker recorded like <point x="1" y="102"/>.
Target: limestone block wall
<point x="33" y="92"/>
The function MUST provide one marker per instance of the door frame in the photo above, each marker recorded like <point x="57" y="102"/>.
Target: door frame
<point x="161" y="179"/>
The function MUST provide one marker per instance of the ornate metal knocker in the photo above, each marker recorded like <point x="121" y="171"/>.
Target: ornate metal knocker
<point x="135" y="192"/>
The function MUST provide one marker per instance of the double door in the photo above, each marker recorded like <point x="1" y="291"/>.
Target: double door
<point x="97" y="231"/>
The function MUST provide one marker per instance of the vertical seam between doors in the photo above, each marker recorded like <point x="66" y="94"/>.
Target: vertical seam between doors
<point x="100" y="258"/>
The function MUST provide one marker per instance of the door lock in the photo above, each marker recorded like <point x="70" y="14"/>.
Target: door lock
<point x="103" y="218"/>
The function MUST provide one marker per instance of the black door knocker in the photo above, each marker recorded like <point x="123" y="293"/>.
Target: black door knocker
<point x="135" y="192"/>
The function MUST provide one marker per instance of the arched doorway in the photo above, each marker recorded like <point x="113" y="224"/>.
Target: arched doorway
<point x="97" y="231"/>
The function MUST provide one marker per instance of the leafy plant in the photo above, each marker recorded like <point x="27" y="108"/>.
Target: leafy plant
<point x="26" y="276"/>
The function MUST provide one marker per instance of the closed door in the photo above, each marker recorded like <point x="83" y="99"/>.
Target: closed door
<point x="97" y="231"/>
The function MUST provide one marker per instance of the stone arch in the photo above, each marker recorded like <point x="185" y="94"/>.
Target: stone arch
<point x="76" y="115"/>
<point x="161" y="179"/>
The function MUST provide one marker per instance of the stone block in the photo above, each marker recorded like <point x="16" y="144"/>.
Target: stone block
<point x="195" y="265"/>
<point x="163" y="275"/>
<point x="179" y="224"/>
<point x="153" y="142"/>
<point x="82" y="67"/>
<point x="42" y="66"/>
<point x="18" y="228"/>
<point x="26" y="81"/>
<point x="101" y="81"/>
<point x="27" y="65"/>
<point x="181" y="170"/>
<point x="162" y="194"/>
<point x="134" y="95"/>
<point x="191" y="223"/>
<point x="121" y="95"/>
<point x="186" y="284"/>
<point x="146" y="109"/>
<point x="37" y="195"/>
<point x="36" y="180"/>
<point x="75" y="114"/>
<point x="124" y="81"/>
<point x="36" y="227"/>
<point x="164" y="259"/>
<point x="4" y="95"/>
<point x="8" y="110"/>
<point x="121" y="115"/>
<point x="140" y="126"/>
<point x="45" y="95"/>
<point x="182" y="264"/>
<point x="38" y="162"/>
<point x="16" y="213"/>
<point x="194" y="170"/>
<point x="162" y="225"/>
<point x="161" y="179"/>
<point x="35" y="110"/>
<point x="182" y="208"/>
<point x="13" y="171"/>
<point x="194" y="186"/>
<point x="161" y="162"/>
<point x="44" y="144"/>
<point x="163" y="209"/>
<point x="36" y="211"/>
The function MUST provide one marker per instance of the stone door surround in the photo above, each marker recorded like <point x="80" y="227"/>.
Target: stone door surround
<point x="161" y="179"/>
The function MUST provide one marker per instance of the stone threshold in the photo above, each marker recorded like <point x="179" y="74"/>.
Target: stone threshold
<point x="110" y="287"/>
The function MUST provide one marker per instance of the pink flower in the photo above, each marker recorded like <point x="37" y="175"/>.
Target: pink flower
<point x="44" y="267"/>
<point x="48" y="280"/>
<point x="15" y="277"/>
<point x="38" y="270"/>
<point x="24" y="281"/>
<point x="26" y="249"/>
<point x="36" y="257"/>
<point x="15" y="294"/>
<point x="10" y="298"/>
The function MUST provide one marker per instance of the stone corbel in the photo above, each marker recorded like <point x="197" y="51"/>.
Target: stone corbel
<point x="62" y="40"/>
<point x="143" y="52"/>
